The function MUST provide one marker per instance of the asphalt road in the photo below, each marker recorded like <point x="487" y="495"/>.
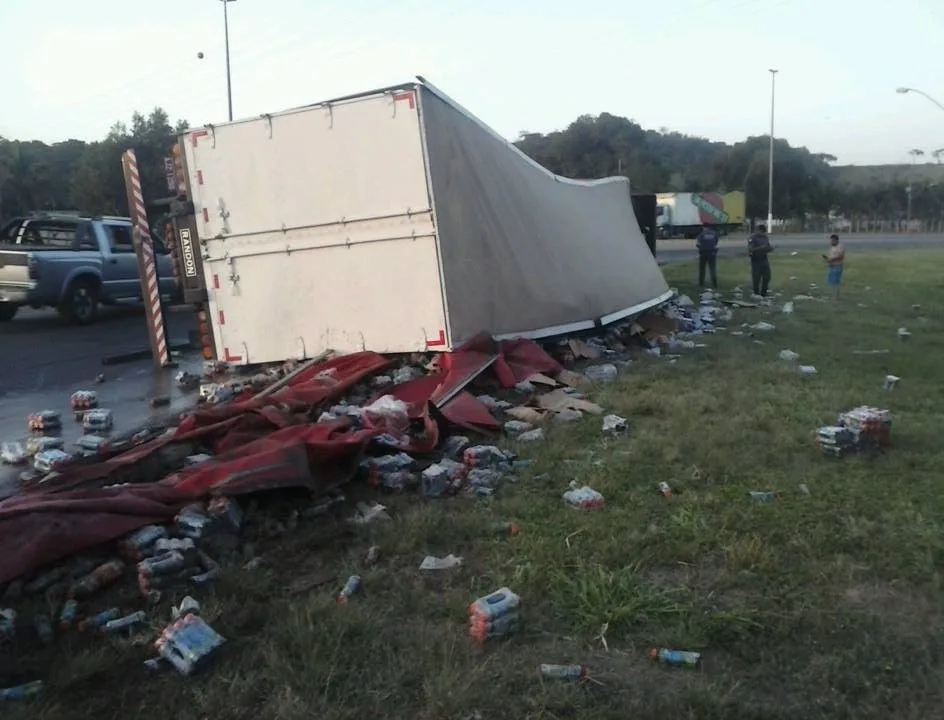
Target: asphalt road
<point x="43" y="361"/>
<point x="681" y="250"/>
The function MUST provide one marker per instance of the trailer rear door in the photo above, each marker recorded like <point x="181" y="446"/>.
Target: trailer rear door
<point x="316" y="230"/>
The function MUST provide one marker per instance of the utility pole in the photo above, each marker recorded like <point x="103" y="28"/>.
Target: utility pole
<point x="770" y="162"/>
<point x="229" y="79"/>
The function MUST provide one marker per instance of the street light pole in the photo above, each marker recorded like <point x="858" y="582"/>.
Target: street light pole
<point x="770" y="162"/>
<point x="906" y="90"/>
<point x="229" y="79"/>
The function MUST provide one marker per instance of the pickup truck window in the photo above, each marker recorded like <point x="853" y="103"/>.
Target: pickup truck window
<point x="58" y="234"/>
<point x="119" y="238"/>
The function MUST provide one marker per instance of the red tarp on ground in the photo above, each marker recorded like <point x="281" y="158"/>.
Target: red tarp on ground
<point x="262" y="443"/>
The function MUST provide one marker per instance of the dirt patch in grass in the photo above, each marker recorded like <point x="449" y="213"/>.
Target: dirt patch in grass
<point x="817" y="606"/>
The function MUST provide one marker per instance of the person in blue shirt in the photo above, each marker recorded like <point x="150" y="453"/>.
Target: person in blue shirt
<point x="707" y="244"/>
<point x="758" y="248"/>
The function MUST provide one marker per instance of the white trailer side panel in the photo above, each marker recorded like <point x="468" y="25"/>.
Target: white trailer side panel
<point x="317" y="231"/>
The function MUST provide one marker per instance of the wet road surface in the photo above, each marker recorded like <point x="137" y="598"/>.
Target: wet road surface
<point x="43" y="361"/>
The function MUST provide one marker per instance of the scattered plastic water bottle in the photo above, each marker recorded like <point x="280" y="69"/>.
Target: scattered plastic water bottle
<point x="601" y="373"/>
<point x="373" y="554"/>
<point x="43" y="628"/>
<point x="138" y="544"/>
<point x="101" y="576"/>
<point x="351" y="587"/>
<point x="162" y="564"/>
<point x="97" y="621"/>
<point x="128" y="622"/>
<point x="678" y="658"/>
<point x="506" y="528"/>
<point x="665" y="489"/>
<point x="43" y="443"/>
<point x="69" y="612"/>
<point x="763" y="496"/>
<point x="21" y="692"/>
<point x="563" y="672"/>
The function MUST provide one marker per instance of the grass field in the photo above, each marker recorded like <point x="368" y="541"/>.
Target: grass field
<point x="820" y="606"/>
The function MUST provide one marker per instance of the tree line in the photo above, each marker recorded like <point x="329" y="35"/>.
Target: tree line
<point x="84" y="176"/>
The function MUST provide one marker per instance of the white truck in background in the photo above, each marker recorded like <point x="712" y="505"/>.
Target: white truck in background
<point x="684" y="214"/>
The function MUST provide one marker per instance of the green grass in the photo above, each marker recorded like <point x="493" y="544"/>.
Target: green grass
<point x="827" y="606"/>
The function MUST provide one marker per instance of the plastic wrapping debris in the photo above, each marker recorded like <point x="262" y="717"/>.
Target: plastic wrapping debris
<point x="601" y="373"/>
<point x="837" y="440"/>
<point x="49" y="460"/>
<point x="91" y="444"/>
<point x="84" y="400"/>
<point x="188" y="643"/>
<point x="787" y="308"/>
<point x="486" y="456"/>
<point x="44" y="420"/>
<point x="789" y="355"/>
<point x="584" y="497"/>
<point x="97" y="420"/>
<point x="903" y="334"/>
<point x="516" y="427"/>
<point x="140" y="543"/>
<point x="389" y="415"/>
<point x="197" y="459"/>
<point x="226" y="512"/>
<point x="763" y="326"/>
<point x="192" y="521"/>
<point x="531" y="435"/>
<point x="806" y="370"/>
<point x="525" y="387"/>
<point x="567" y="415"/>
<point x="763" y="496"/>
<point x="368" y="513"/>
<point x="890" y="382"/>
<point x="454" y="445"/>
<point x="404" y="374"/>
<point x="494" y="615"/>
<point x="873" y="425"/>
<point x="430" y="562"/>
<point x="483" y="479"/>
<point x="188" y="606"/>
<point x="389" y="471"/>
<point x="442" y="478"/>
<point x="14" y="453"/>
<point x="44" y="442"/>
<point x="186" y="380"/>
<point x="615" y="425"/>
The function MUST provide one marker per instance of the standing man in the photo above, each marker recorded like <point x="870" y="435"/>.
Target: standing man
<point x="707" y="244"/>
<point x="834" y="262"/>
<point x="758" y="248"/>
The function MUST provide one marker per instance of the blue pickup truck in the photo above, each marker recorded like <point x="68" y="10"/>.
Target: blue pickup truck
<point x="72" y="263"/>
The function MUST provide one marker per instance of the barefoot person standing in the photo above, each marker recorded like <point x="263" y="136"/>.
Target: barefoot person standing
<point x="834" y="261"/>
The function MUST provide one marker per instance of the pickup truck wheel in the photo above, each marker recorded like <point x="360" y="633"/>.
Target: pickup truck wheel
<point x="8" y="311"/>
<point x="81" y="304"/>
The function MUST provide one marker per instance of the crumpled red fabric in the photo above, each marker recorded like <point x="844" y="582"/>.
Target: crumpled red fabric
<point x="260" y="443"/>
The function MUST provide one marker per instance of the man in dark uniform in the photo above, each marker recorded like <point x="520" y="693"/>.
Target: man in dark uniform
<point x="707" y="244"/>
<point x="759" y="248"/>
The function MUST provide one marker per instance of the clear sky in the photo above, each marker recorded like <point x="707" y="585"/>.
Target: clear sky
<point x="71" y="69"/>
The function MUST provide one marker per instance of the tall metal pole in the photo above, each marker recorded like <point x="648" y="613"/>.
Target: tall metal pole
<point x="906" y="90"/>
<point x="770" y="162"/>
<point x="229" y="79"/>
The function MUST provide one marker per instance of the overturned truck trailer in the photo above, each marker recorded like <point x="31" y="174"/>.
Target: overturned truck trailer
<point x="394" y="221"/>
